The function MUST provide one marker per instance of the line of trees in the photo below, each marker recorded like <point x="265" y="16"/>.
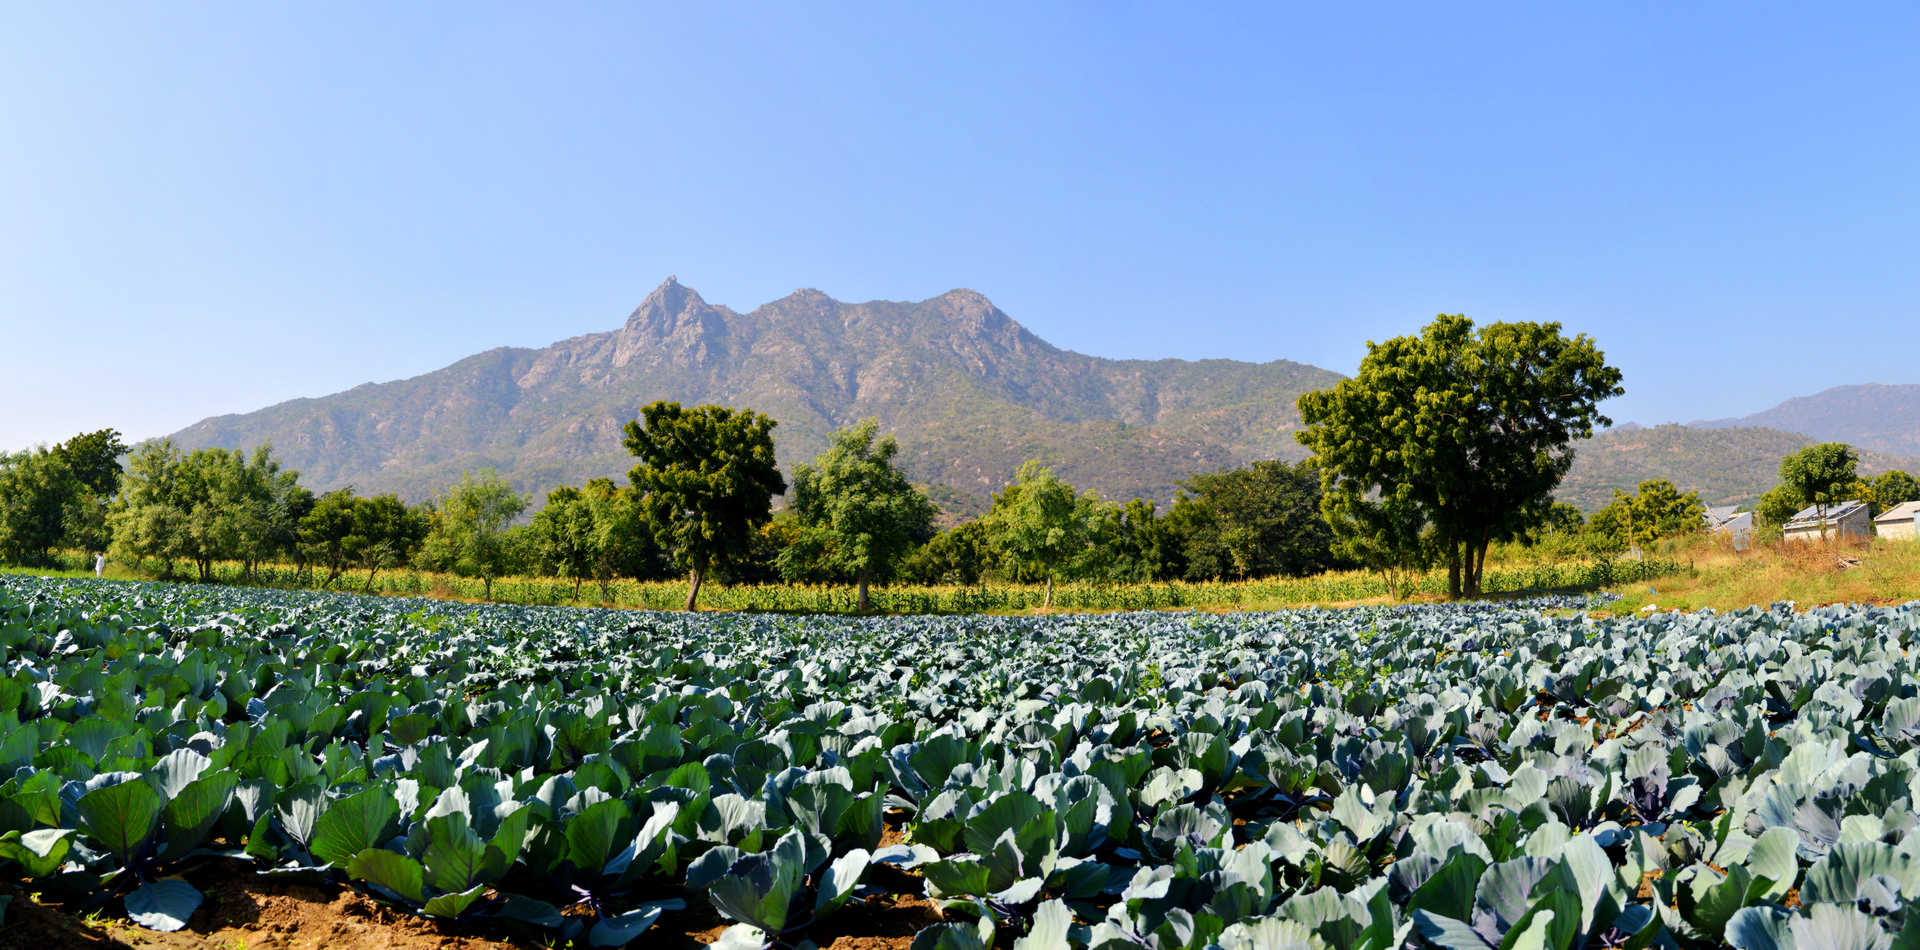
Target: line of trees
<point x="1442" y="445"/>
<point x="699" y="502"/>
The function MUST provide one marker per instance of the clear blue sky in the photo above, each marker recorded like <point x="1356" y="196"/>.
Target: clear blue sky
<point x="211" y="208"/>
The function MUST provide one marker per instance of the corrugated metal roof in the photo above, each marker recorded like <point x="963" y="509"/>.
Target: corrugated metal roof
<point x="1809" y="517"/>
<point x="1904" y="511"/>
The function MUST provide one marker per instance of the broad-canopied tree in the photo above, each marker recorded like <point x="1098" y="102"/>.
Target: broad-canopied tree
<point x="1888" y="489"/>
<point x="1821" y="475"/>
<point x="39" y="498"/>
<point x="1256" y="521"/>
<point x="706" y="480"/>
<point x="859" y="516"/>
<point x="387" y="533"/>
<point x="961" y="554"/>
<point x="1655" y="510"/>
<point x="565" y="538"/>
<point x="469" y="528"/>
<point x="1039" y="526"/>
<point x="1472" y="427"/>
<point x="206" y="506"/>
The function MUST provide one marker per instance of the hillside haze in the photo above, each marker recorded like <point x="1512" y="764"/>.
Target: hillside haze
<point x="1872" y="416"/>
<point x="1726" y="465"/>
<point x="969" y="392"/>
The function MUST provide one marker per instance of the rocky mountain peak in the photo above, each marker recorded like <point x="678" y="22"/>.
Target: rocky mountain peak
<point x="672" y="304"/>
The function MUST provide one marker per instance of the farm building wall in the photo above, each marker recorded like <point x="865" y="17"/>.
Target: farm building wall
<point x="1855" y="526"/>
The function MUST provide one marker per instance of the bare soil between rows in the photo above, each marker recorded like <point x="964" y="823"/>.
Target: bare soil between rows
<point x="247" y="911"/>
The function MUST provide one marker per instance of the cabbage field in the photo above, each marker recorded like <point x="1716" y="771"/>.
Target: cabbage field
<point x="1462" y="776"/>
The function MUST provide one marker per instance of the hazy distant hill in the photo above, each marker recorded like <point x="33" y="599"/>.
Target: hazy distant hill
<point x="970" y="393"/>
<point x="1871" y="416"/>
<point x="1725" y="465"/>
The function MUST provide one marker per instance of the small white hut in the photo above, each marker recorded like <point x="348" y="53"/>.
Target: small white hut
<point x="1898" y="522"/>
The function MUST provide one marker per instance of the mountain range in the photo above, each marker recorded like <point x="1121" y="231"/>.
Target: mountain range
<point x="1872" y="416"/>
<point x="969" y="392"/>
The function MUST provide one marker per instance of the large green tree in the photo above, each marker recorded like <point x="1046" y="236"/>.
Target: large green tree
<point x="1472" y="427"/>
<point x="1256" y="521"/>
<point x="1655" y="510"/>
<point x="861" y="513"/>
<point x="1888" y="489"/>
<point x="149" y="518"/>
<point x="1777" y="507"/>
<point x="39" y="499"/>
<point x="387" y="533"/>
<point x="1039" y="526"/>
<point x="329" y="533"/>
<point x="565" y="538"/>
<point x="1133" y="544"/>
<point x="623" y="542"/>
<point x="94" y="458"/>
<point x="206" y="506"/>
<point x="961" y="554"/>
<point x="469" y="528"/>
<point x="57" y="497"/>
<point x="1821" y="475"/>
<point x="706" y="479"/>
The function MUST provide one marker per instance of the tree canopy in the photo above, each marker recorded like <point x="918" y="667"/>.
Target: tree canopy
<point x="1655" y="510"/>
<point x="1256" y="521"/>
<point x="39" y="493"/>
<point x="706" y="479"/>
<point x="1471" y="428"/>
<point x="1821" y="475"/>
<point x="206" y="506"/>
<point x="1891" y="488"/>
<point x="469" y="528"/>
<point x="1039" y="526"/>
<point x="863" y="514"/>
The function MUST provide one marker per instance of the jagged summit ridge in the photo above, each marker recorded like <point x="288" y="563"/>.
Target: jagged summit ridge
<point x="970" y="392"/>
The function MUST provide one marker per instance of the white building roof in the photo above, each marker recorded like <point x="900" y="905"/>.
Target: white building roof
<point x="1902" y="512"/>
<point x="1809" y="517"/>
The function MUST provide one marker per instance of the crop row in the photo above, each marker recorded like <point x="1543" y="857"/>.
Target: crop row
<point x="1332" y="587"/>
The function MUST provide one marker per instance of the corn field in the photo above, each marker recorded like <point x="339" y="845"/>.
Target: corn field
<point x="1331" y="588"/>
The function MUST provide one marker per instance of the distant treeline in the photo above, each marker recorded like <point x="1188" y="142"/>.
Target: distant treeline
<point x="178" y="514"/>
<point x="1441" y="447"/>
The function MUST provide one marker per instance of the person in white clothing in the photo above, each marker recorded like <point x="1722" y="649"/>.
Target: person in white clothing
<point x="99" y="565"/>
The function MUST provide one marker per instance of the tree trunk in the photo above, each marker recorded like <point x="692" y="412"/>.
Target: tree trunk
<point x="1049" y="603"/>
<point x="865" y="604"/>
<point x="576" y="589"/>
<point x="1480" y="567"/>
<point x="370" y="572"/>
<point x="1453" y="570"/>
<point x="486" y="588"/>
<point x="693" y="588"/>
